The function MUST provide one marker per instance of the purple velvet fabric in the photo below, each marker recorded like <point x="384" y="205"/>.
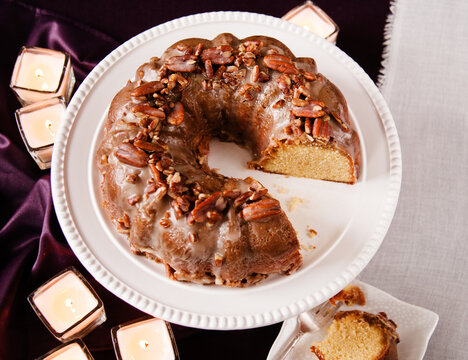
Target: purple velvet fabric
<point x="32" y="246"/>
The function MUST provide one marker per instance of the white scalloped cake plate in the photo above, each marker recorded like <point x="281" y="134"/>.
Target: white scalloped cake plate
<point x="351" y="220"/>
<point x="415" y="326"/>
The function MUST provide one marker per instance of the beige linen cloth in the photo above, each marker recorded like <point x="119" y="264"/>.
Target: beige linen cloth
<point x="424" y="257"/>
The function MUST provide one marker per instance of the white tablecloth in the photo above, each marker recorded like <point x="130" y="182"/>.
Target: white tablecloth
<point x="424" y="257"/>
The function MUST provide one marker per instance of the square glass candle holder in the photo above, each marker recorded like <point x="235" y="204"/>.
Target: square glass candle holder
<point x="75" y="350"/>
<point x="68" y="306"/>
<point x="38" y="124"/>
<point x="311" y="17"/>
<point x="149" y="339"/>
<point x="40" y="74"/>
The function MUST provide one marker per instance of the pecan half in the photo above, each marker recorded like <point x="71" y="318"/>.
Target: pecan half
<point x="310" y="111"/>
<point x="258" y="194"/>
<point x="129" y="154"/>
<point x="343" y="123"/>
<point x="208" y="69"/>
<point x="147" y="88"/>
<point x="309" y="76"/>
<point x="321" y="131"/>
<point x="177" y="115"/>
<point x="148" y="146"/>
<point x="231" y="194"/>
<point x="261" y="209"/>
<point x="242" y="198"/>
<point x="145" y="109"/>
<point x="220" y="55"/>
<point x="280" y="63"/>
<point x="183" y="63"/>
<point x="255" y="73"/>
<point x="200" y="211"/>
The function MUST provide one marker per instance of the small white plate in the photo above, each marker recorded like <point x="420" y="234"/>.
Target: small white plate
<point x="415" y="326"/>
<point x="351" y="221"/>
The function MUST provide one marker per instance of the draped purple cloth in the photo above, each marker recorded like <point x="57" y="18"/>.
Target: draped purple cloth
<point x="32" y="246"/>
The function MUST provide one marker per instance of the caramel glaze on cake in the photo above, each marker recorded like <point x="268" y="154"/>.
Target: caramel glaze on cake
<point x="359" y="335"/>
<point x="156" y="183"/>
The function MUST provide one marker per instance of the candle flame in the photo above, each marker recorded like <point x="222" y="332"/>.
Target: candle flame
<point x="39" y="73"/>
<point x="69" y="303"/>
<point x="48" y="125"/>
<point x="144" y="344"/>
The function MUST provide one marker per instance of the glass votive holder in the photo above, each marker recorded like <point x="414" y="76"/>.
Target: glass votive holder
<point x="144" y="339"/>
<point x="38" y="124"/>
<point x="75" y="350"/>
<point x="311" y="17"/>
<point x="40" y="74"/>
<point x="68" y="306"/>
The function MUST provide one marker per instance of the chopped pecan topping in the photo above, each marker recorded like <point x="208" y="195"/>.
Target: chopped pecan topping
<point x="213" y="216"/>
<point x="148" y="88"/>
<point x="279" y="104"/>
<point x="218" y="259"/>
<point x="263" y="77"/>
<point x="133" y="199"/>
<point x="261" y="209"/>
<point x="307" y="126"/>
<point x="198" y="49"/>
<point x="177" y="115"/>
<point x="244" y="88"/>
<point x="299" y="102"/>
<point x="129" y="154"/>
<point x="183" y="63"/>
<point x="132" y="178"/>
<point x="165" y="223"/>
<point x="193" y="237"/>
<point x="124" y="221"/>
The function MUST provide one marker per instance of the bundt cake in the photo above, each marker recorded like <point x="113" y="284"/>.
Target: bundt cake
<point x="156" y="183"/>
<point x="358" y="335"/>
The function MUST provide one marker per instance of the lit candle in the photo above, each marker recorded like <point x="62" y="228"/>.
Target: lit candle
<point x="72" y="351"/>
<point x="145" y="340"/>
<point x="314" y="19"/>
<point x="40" y="74"/>
<point x="38" y="124"/>
<point x="68" y="305"/>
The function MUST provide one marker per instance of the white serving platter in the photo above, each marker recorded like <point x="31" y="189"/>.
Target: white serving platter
<point x="351" y="221"/>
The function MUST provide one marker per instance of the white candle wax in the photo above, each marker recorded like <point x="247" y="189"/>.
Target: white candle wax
<point x="70" y="352"/>
<point x="313" y="19"/>
<point x="40" y="126"/>
<point x="146" y="340"/>
<point x="40" y="71"/>
<point x="41" y="74"/>
<point x="65" y="302"/>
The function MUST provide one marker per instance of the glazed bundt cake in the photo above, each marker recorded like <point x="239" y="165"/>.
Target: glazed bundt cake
<point x="358" y="335"/>
<point x="156" y="183"/>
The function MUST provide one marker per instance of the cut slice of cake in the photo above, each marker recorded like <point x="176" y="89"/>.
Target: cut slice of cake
<point x="358" y="335"/>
